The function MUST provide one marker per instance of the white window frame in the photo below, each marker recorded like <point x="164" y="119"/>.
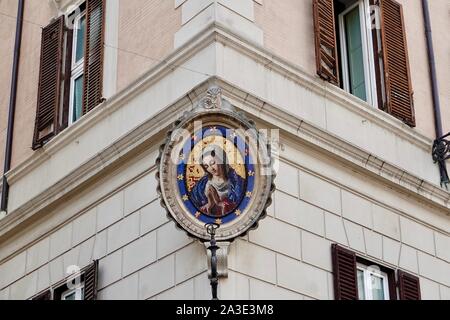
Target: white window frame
<point x="77" y="67"/>
<point x="78" y="293"/>
<point x="373" y="271"/>
<point x="368" y="55"/>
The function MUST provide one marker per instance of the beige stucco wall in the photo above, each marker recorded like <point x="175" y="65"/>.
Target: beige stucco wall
<point x="146" y="32"/>
<point x="288" y="32"/>
<point x="36" y="15"/>
<point x="440" y="24"/>
<point x="418" y="60"/>
<point x="7" y="27"/>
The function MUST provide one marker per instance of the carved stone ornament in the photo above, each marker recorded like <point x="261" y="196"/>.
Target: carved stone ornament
<point x="215" y="167"/>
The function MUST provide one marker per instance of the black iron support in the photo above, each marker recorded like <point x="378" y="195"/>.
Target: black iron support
<point x="214" y="279"/>
<point x="441" y="153"/>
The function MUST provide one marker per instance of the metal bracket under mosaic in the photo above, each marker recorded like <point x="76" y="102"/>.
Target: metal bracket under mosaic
<point x="441" y="153"/>
<point x="215" y="168"/>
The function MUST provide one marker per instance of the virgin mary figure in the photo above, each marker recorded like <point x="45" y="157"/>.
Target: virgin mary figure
<point x="221" y="189"/>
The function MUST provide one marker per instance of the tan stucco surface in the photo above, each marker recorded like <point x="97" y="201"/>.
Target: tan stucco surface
<point x="8" y="11"/>
<point x="36" y="14"/>
<point x="418" y="60"/>
<point x="288" y="30"/>
<point x="146" y="31"/>
<point x="440" y="12"/>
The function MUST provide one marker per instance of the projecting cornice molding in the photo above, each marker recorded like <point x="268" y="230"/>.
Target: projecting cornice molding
<point x="139" y="137"/>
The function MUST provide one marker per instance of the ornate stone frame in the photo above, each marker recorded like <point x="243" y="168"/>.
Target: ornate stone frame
<point x="213" y="110"/>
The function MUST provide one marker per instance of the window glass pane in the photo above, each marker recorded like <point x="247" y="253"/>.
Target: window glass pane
<point x="355" y="53"/>
<point x="80" y="39"/>
<point x="77" y="98"/>
<point x="361" y="286"/>
<point x="70" y="296"/>
<point x="377" y="287"/>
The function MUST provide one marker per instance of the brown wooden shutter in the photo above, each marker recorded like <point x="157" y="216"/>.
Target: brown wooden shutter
<point x="46" y="295"/>
<point x="344" y="273"/>
<point x="325" y="40"/>
<point x="399" y="93"/>
<point x="90" y="281"/>
<point x="93" y="63"/>
<point x="409" y="286"/>
<point x="52" y="42"/>
<point x="66" y="79"/>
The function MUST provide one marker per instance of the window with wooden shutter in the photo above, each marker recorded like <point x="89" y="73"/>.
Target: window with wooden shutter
<point x="47" y="114"/>
<point x="90" y="281"/>
<point x="79" y="286"/>
<point x="93" y="64"/>
<point x="409" y="286"/>
<point x="71" y="70"/>
<point x="396" y="64"/>
<point x="344" y="273"/>
<point x="356" y="278"/>
<point x="325" y="40"/>
<point x="372" y="65"/>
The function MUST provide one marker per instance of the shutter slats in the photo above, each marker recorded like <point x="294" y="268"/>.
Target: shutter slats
<point x="47" y="111"/>
<point x="93" y="64"/>
<point x="325" y="40"/>
<point x="344" y="273"/>
<point x="409" y="286"/>
<point x="395" y="54"/>
<point x="90" y="281"/>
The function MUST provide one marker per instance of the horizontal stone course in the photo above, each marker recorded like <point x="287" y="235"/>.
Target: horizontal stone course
<point x="321" y="193"/>
<point x="302" y="278"/>
<point x="157" y="277"/>
<point x="417" y="235"/>
<point x="123" y="232"/>
<point x="277" y="236"/>
<point x="125" y="289"/>
<point x="139" y="254"/>
<point x="252" y="260"/>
